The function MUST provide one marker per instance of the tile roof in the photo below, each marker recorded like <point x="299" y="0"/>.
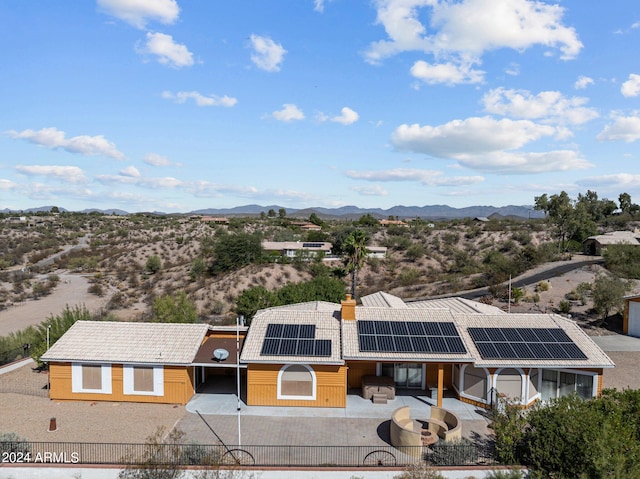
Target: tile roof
<point x="327" y="327"/>
<point x="128" y="342"/>
<point x="456" y="305"/>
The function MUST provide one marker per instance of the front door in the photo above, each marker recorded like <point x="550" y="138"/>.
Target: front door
<point x="405" y="375"/>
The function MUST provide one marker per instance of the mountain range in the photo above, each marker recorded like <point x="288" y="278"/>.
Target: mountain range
<point x="433" y="212"/>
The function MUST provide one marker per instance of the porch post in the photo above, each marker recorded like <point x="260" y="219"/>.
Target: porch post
<point x="440" y="383"/>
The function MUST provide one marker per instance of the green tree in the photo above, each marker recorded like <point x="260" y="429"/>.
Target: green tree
<point x="54" y="327"/>
<point x="316" y="220"/>
<point x="608" y="293"/>
<point x="282" y="213"/>
<point x="174" y="309"/>
<point x="625" y="202"/>
<point x="623" y="260"/>
<point x="355" y="247"/>
<point x="232" y="251"/>
<point x="154" y="263"/>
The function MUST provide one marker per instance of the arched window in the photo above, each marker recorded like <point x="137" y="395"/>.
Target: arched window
<point x="296" y="381"/>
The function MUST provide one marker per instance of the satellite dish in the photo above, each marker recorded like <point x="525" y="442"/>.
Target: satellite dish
<point x="220" y="354"/>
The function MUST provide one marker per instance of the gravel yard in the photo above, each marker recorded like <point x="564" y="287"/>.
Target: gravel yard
<point x="77" y="421"/>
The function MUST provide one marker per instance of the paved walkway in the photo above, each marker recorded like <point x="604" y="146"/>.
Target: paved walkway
<point x="361" y="423"/>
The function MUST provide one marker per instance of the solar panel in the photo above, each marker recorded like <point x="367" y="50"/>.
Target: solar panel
<point x="409" y="337"/>
<point x="294" y="340"/>
<point x="525" y="343"/>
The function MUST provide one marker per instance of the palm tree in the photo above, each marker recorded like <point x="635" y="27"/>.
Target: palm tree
<point x="356" y="251"/>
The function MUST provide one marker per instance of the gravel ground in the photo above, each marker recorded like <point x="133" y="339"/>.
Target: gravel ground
<point x="78" y="421"/>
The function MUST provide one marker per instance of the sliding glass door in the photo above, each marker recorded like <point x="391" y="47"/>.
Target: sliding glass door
<point x="405" y="375"/>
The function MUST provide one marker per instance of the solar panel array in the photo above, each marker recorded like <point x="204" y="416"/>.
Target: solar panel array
<point x="525" y="343"/>
<point x="409" y="337"/>
<point x="294" y="340"/>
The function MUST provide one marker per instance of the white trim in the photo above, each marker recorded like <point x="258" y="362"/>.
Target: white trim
<point x="76" y="379"/>
<point x="522" y="399"/>
<point x="303" y="398"/>
<point x="158" y="380"/>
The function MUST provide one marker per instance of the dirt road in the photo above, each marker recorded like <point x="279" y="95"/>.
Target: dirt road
<point x="71" y="290"/>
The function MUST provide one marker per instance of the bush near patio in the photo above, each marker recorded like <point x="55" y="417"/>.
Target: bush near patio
<point x="572" y="438"/>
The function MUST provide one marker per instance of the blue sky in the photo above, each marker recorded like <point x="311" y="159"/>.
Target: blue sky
<point x="176" y="105"/>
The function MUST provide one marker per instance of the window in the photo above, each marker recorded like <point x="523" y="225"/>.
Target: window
<point x="562" y="383"/>
<point x="297" y="381"/>
<point x="91" y="378"/>
<point x="143" y="379"/>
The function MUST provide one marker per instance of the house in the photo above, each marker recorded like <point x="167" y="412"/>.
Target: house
<point x="393" y="223"/>
<point x="293" y="249"/>
<point x="631" y="316"/>
<point x="595" y="245"/>
<point x="315" y="353"/>
<point x="379" y="252"/>
<point x="306" y="225"/>
<point x="137" y="362"/>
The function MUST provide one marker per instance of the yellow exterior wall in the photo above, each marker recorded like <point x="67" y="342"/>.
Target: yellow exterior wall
<point x="358" y="369"/>
<point x="178" y="386"/>
<point x="262" y="386"/>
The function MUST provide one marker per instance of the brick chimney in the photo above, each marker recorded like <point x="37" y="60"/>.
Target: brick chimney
<point x="348" y="311"/>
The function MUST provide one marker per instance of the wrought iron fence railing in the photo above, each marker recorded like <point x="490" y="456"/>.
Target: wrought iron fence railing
<point x="246" y="455"/>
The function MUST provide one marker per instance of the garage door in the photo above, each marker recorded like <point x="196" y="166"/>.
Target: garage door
<point x="634" y="319"/>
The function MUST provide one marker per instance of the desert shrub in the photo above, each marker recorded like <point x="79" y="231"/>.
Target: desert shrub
<point x="623" y="260"/>
<point x="408" y="276"/>
<point x="96" y="288"/>
<point x="420" y="470"/>
<point x="198" y="268"/>
<point x="153" y="264"/>
<point x="12" y="442"/>
<point x="450" y="238"/>
<point x="232" y="251"/>
<point x="564" y="306"/>
<point x="415" y="251"/>
<point x="542" y="286"/>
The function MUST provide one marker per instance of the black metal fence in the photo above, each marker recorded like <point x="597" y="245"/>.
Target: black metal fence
<point x="220" y="454"/>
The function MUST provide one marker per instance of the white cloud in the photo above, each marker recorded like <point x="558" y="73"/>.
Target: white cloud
<point x="617" y="181"/>
<point x="469" y="28"/>
<point x="347" y="116"/>
<point x="130" y="171"/>
<point x="318" y="5"/>
<point x="513" y="69"/>
<point x="473" y="136"/>
<point x="56" y="139"/>
<point x="425" y="177"/>
<point x="485" y="144"/>
<point x="200" y="99"/>
<point x="632" y="86"/>
<point x="127" y="178"/>
<point x="6" y="185"/>
<point x="448" y="73"/>
<point x="504" y="162"/>
<point x="139" y="12"/>
<point x="551" y="106"/>
<point x="373" y="190"/>
<point x="167" y="51"/>
<point x="67" y="174"/>
<point x="154" y="159"/>
<point x="583" y="82"/>
<point x="624" y="128"/>
<point x="289" y="112"/>
<point x="267" y="54"/>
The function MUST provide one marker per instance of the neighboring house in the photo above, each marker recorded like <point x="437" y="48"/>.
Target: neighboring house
<point x="481" y="219"/>
<point x="136" y="362"/>
<point x="307" y="226"/>
<point x="631" y="316"/>
<point x="377" y="252"/>
<point x="596" y="245"/>
<point x="393" y="222"/>
<point x="313" y="354"/>
<point x="292" y="249"/>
